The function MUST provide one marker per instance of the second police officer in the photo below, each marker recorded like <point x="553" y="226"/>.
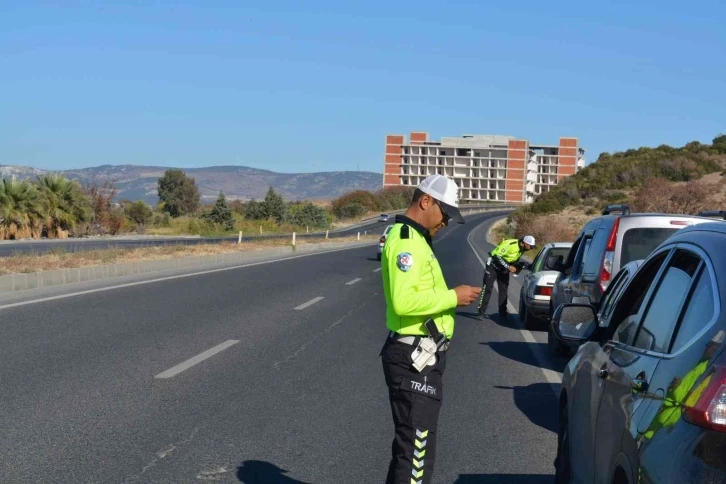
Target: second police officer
<point x="503" y="261"/>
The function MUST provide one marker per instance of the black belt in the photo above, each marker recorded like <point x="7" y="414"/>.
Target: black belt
<point x="414" y="339"/>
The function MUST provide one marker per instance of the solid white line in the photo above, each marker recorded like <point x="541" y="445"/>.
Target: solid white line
<point x="552" y="377"/>
<point x="309" y="303"/>
<point x="175" y="370"/>
<point x="377" y="270"/>
<point x="169" y="278"/>
<point x="350" y="283"/>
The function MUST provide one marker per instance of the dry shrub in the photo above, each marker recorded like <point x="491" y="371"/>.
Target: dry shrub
<point x="546" y="228"/>
<point x="658" y="195"/>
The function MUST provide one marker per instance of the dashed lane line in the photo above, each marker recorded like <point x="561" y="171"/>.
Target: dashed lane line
<point x="309" y="303"/>
<point x="175" y="370"/>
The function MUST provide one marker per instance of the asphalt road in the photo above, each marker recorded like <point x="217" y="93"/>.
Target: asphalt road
<point x="93" y="390"/>
<point x="9" y="248"/>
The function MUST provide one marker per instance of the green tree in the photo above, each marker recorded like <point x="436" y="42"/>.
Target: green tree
<point x="221" y="213"/>
<point x="254" y="210"/>
<point x="21" y="210"/>
<point x="274" y="206"/>
<point x="719" y="144"/>
<point x="359" y="197"/>
<point x="64" y="203"/>
<point x="306" y="214"/>
<point x="178" y="192"/>
<point x="139" y="213"/>
<point x="351" y="210"/>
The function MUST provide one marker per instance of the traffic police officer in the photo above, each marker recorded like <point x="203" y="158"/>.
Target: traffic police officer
<point x="503" y="261"/>
<point x="415" y="290"/>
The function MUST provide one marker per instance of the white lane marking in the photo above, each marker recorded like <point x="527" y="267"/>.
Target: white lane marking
<point x="350" y="283"/>
<point x="377" y="270"/>
<point x="175" y="370"/>
<point x="309" y="303"/>
<point x="552" y="377"/>
<point x="161" y="279"/>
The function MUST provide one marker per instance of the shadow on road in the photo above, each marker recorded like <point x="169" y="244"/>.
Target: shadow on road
<point x="523" y="352"/>
<point x="537" y="402"/>
<point x="504" y="479"/>
<point x="372" y="259"/>
<point x="510" y="322"/>
<point x="260" y="472"/>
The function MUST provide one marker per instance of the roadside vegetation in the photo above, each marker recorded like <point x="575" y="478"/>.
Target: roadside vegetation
<point x="59" y="258"/>
<point x="55" y="207"/>
<point x="682" y="180"/>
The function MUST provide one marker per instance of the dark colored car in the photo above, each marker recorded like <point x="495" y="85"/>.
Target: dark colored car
<point x="644" y="398"/>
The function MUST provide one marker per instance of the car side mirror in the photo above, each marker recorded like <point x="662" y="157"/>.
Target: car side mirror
<point x="574" y="322"/>
<point x="555" y="263"/>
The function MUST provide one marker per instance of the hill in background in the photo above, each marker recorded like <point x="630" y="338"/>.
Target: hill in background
<point x="237" y="182"/>
<point x="681" y="180"/>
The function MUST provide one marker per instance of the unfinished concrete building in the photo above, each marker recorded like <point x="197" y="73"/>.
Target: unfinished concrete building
<point x="486" y="167"/>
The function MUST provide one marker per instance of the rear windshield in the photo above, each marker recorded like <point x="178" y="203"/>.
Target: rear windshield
<point x="639" y="243"/>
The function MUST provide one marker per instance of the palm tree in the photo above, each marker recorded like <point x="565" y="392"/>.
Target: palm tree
<point x="21" y="210"/>
<point x="65" y="204"/>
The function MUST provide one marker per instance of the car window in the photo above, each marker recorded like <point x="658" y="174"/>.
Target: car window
<point x="638" y="243"/>
<point x="665" y="305"/>
<point x="582" y="257"/>
<point x="539" y="262"/>
<point x="700" y="310"/>
<point x="569" y="261"/>
<point x="612" y="292"/>
<point x="593" y="263"/>
<point x="625" y="312"/>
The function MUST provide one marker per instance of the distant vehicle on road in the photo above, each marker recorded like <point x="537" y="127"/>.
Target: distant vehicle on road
<point x="649" y="405"/>
<point x="383" y="217"/>
<point x="382" y="240"/>
<point x="534" y="298"/>
<point x="604" y="245"/>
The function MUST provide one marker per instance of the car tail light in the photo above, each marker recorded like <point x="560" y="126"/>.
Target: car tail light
<point x="607" y="262"/>
<point x="543" y="291"/>
<point x="383" y="240"/>
<point x="709" y="410"/>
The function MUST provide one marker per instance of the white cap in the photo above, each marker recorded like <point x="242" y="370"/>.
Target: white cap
<point x="529" y="240"/>
<point x="445" y="191"/>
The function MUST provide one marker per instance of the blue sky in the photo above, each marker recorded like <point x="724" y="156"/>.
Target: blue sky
<point x="314" y="86"/>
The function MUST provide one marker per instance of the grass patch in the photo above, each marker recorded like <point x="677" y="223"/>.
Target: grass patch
<point x="61" y="259"/>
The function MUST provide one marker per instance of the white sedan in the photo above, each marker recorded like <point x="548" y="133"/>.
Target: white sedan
<point x="382" y="240"/>
<point x="534" y="299"/>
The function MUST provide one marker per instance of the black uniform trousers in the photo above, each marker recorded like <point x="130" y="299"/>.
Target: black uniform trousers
<point x="415" y="399"/>
<point x="491" y="275"/>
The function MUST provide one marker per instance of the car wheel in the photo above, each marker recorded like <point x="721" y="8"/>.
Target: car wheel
<point x="379" y="256"/>
<point x="563" y="468"/>
<point x="524" y="315"/>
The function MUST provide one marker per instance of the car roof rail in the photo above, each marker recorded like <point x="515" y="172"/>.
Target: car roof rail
<point x="713" y="214"/>
<point x="623" y="208"/>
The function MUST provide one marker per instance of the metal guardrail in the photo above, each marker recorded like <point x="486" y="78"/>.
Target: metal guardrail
<point x="78" y="245"/>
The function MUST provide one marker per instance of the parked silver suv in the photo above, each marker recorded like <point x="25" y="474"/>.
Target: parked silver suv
<point x="604" y="245"/>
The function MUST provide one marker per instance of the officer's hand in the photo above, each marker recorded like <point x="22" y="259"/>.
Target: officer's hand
<point x="466" y="295"/>
<point x="512" y="269"/>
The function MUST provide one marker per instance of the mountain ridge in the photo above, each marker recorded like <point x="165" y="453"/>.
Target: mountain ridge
<point x="139" y="182"/>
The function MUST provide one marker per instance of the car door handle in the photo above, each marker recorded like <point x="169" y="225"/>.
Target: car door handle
<point x="640" y="385"/>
